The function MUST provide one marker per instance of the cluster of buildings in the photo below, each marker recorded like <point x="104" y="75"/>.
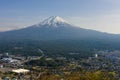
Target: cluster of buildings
<point x="5" y="58"/>
<point x="10" y="63"/>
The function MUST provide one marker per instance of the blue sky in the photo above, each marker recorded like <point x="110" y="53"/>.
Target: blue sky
<point x="101" y="15"/>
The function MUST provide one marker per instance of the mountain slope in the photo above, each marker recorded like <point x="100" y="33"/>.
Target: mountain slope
<point x="54" y="28"/>
<point x="55" y="35"/>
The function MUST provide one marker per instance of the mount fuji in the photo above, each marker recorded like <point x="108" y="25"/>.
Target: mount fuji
<point x="55" y="28"/>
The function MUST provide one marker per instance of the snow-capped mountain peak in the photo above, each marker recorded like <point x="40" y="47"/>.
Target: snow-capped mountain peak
<point x="53" y="21"/>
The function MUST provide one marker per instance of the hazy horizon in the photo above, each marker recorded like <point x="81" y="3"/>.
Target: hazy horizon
<point x="100" y="15"/>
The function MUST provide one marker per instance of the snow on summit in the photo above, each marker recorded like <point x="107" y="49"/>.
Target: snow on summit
<point x="53" y="20"/>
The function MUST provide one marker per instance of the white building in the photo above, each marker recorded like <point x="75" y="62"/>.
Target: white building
<point x="96" y="55"/>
